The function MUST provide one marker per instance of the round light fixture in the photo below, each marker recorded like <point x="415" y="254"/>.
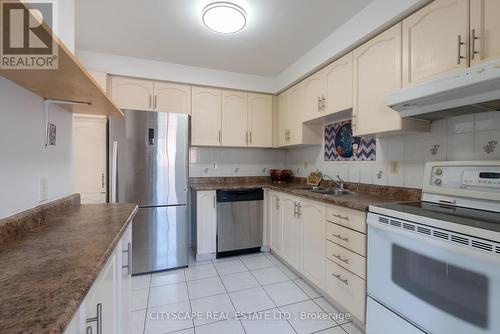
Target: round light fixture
<point x="224" y="17"/>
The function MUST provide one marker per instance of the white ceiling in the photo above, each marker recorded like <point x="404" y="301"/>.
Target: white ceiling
<point x="278" y="32"/>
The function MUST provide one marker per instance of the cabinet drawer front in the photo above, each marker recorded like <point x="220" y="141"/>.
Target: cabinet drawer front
<point x="347" y="289"/>
<point x="347" y="259"/>
<point x="353" y="219"/>
<point x="347" y="238"/>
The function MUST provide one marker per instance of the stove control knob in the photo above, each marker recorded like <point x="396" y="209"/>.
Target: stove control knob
<point x="438" y="171"/>
<point x="438" y="182"/>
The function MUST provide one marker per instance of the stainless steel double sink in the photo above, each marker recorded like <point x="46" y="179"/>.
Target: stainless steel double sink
<point x="327" y="191"/>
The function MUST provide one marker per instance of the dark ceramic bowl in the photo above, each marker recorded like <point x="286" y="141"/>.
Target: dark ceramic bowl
<point x="280" y="175"/>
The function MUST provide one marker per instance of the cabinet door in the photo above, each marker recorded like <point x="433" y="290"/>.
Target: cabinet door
<point x="125" y="271"/>
<point x="206" y="116"/>
<point x="101" y="78"/>
<point x="291" y="231"/>
<point x="485" y="27"/>
<point x="260" y="120"/>
<point x="284" y="137"/>
<point x="89" y="147"/>
<point x="234" y="118"/>
<point x="134" y="94"/>
<point x="170" y="97"/>
<point x="431" y="40"/>
<point x="295" y="102"/>
<point x="313" y="215"/>
<point x="206" y="223"/>
<point x="104" y="293"/>
<point x="338" y="85"/>
<point x="377" y="72"/>
<point x="313" y="97"/>
<point x="276" y="222"/>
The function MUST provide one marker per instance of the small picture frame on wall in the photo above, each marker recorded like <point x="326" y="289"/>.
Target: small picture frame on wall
<point x="51" y="134"/>
<point x="341" y="145"/>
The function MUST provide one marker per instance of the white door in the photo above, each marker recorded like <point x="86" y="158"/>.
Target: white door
<point x="89" y="147"/>
<point x="234" y="118"/>
<point x="260" y="120"/>
<point x="206" y="223"/>
<point x="291" y="231"/>
<point x="338" y="85"/>
<point x="313" y="97"/>
<point x="276" y="222"/>
<point x="103" y="296"/>
<point x="431" y="40"/>
<point x="485" y="30"/>
<point x="377" y="72"/>
<point x="171" y="97"/>
<point x="206" y="116"/>
<point x="313" y="216"/>
<point x="133" y="94"/>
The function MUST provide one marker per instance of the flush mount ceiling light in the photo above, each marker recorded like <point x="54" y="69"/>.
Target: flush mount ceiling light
<point x="224" y="17"/>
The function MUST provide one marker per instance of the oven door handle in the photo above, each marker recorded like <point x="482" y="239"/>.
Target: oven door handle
<point x="458" y="249"/>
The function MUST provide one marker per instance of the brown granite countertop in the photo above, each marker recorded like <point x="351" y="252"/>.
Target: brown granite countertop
<point x="365" y="196"/>
<point x="47" y="271"/>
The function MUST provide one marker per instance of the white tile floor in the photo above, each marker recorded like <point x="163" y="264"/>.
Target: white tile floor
<point x="246" y="294"/>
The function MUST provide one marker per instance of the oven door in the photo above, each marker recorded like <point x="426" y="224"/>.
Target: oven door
<point x="436" y="285"/>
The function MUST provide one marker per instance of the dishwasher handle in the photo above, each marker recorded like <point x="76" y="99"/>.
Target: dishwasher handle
<point x="240" y="195"/>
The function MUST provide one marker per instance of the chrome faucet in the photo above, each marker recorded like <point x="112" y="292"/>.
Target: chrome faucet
<point x="339" y="180"/>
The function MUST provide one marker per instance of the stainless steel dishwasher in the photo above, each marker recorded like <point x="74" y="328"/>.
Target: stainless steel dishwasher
<point x="239" y="221"/>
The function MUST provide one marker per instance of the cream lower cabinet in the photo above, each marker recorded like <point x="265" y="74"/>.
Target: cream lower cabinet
<point x="107" y="304"/>
<point x="291" y="230"/>
<point x="377" y="73"/>
<point x="326" y="244"/>
<point x="205" y="206"/>
<point x="313" y="222"/>
<point x="276" y="222"/>
<point x="484" y="30"/>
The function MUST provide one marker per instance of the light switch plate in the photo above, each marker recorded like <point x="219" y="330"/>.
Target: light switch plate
<point x="43" y="188"/>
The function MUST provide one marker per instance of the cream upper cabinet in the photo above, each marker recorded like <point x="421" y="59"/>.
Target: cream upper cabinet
<point x="101" y="78"/>
<point x="295" y="103"/>
<point x="283" y="127"/>
<point x="134" y="94"/>
<point x="260" y="120"/>
<point x="276" y="222"/>
<point x="314" y="98"/>
<point x="484" y="30"/>
<point x="206" y="116"/>
<point x="313" y="215"/>
<point x="234" y="118"/>
<point x="435" y="40"/>
<point x="172" y="97"/>
<point x="377" y="72"/>
<point x="338" y="85"/>
<point x="291" y="230"/>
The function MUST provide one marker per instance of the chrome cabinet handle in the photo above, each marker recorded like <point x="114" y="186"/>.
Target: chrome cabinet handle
<point x="338" y="236"/>
<point x="97" y="319"/>
<point x="277" y="203"/>
<point x="340" y="258"/>
<point x="155" y="100"/>
<point x="459" y="44"/>
<point x="295" y="209"/>
<point x="246" y="138"/>
<point x="319" y="104"/>
<point x="219" y="136"/>
<point x="250" y="137"/>
<point x="323" y="102"/>
<point x="150" y="100"/>
<point x="102" y="181"/>
<point x="345" y="281"/>
<point x="341" y="217"/>
<point x="128" y="251"/>
<point x="473" y="44"/>
<point x="299" y="210"/>
<point x="214" y="201"/>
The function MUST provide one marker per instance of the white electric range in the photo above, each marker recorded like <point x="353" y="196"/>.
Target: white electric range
<point x="434" y="265"/>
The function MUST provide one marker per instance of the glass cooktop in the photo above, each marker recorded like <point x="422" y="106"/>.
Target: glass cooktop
<point x="471" y="217"/>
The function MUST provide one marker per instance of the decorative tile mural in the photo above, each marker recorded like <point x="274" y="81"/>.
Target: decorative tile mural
<point x="340" y="145"/>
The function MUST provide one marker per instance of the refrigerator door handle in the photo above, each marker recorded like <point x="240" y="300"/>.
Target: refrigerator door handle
<point x="114" y="166"/>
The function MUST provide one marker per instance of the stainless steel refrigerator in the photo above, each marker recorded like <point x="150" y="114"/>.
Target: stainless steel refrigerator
<point x="149" y="166"/>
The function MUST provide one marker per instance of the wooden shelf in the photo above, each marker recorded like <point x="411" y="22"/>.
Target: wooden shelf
<point x="69" y="82"/>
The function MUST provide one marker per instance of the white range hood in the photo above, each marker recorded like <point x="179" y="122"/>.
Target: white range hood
<point x="476" y="89"/>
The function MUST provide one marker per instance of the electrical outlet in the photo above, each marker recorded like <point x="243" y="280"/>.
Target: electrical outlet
<point x="214" y="165"/>
<point x="394" y="167"/>
<point x="43" y="188"/>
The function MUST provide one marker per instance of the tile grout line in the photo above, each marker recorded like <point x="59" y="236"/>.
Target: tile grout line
<point x="189" y="299"/>
<point x="147" y="304"/>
